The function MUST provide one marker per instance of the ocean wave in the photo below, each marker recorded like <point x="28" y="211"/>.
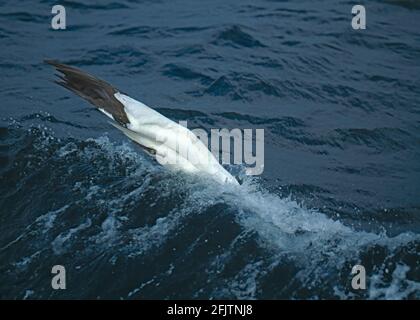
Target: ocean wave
<point x="108" y="202"/>
<point x="236" y="37"/>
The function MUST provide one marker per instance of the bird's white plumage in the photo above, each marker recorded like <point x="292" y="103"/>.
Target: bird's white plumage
<point x="175" y="145"/>
<point x="106" y="113"/>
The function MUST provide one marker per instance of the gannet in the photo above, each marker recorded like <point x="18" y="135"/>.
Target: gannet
<point x="172" y="144"/>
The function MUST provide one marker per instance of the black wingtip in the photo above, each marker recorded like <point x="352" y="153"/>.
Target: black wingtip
<point x="52" y="62"/>
<point x="62" y="67"/>
<point x="96" y="91"/>
<point x="58" y="65"/>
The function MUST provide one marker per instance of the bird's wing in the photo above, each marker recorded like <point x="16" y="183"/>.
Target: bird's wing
<point x="96" y="91"/>
<point x="126" y="112"/>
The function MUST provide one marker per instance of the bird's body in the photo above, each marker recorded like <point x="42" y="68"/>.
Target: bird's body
<point x="172" y="144"/>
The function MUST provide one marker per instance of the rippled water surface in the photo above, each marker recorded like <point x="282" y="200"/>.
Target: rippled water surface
<point x="341" y="113"/>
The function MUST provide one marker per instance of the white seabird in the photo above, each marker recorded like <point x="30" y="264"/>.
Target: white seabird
<point x="170" y="143"/>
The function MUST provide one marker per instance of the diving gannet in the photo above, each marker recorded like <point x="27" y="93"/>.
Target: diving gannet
<point x="172" y="144"/>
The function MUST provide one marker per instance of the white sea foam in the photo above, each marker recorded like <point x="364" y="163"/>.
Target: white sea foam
<point x="317" y="242"/>
<point x="60" y="243"/>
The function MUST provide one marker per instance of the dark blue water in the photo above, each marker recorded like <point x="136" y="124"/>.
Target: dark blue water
<point x="341" y="113"/>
